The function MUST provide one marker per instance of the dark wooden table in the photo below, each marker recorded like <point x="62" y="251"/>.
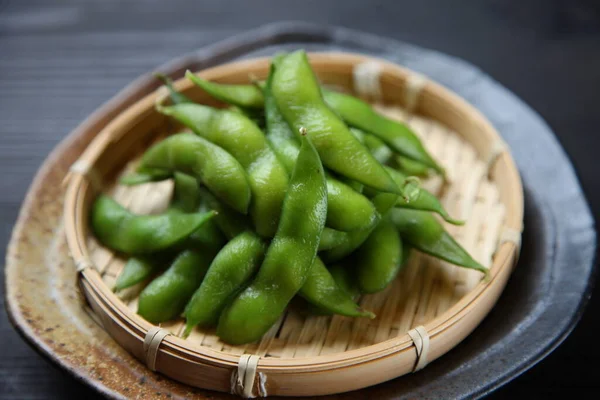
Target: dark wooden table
<point x="60" y="60"/>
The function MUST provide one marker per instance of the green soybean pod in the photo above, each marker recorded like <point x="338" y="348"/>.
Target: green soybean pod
<point x="138" y="269"/>
<point x="246" y="96"/>
<point x="255" y="115"/>
<point x="395" y="134"/>
<point x="411" y="167"/>
<point x="345" y="277"/>
<point x="322" y="291"/>
<point x="376" y="146"/>
<point x="240" y="137"/>
<point x="406" y="252"/>
<point x="383" y="202"/>
<point x="378" y="259"/>
<point x="330" y="238"/>
<point x="209" y="163"/>
<point x="425" y="233"/>
<point x="232" y="267"/>
<point x="229" y="221"/>
<point x="117" y="228"/>
<point x="166" y="296"/>
<point x="186" y="198"/>
<point x="289" y="257"/>
<point x="186" y="193"/>
<point x="298" y="97"/>
<point x="279" y="134"/>
<point x="347" y="209"/>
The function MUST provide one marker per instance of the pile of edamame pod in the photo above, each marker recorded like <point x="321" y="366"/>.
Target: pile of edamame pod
<point x="291" y="192"/>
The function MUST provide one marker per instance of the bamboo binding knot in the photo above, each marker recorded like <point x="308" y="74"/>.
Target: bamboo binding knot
<point x="162" y="94"/>
<point x="83" y="168"/>
<point x="420" y="338"/>
<point x="498" y="147"/>
<point x="366" y="79"/>
<point x="81" y="265"/>
<point x="152" y="341"/>
<point x="414" y="86"/>
<point x="244" y="377"/>
<point x="509" y="235"/>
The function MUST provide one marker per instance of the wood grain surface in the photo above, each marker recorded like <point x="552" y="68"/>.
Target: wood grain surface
<point x="60" y="60"/>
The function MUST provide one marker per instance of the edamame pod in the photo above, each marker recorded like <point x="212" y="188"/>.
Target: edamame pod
<point x="298" y="97"/>
<point x="166" y="296"/>
<point x="395" y="134"/>
<point x="347" y="210"/>
<point x="424" y="232"/>
<point x="138" y="269"/>
<point x="322" y="291"/>
<point x="246" y="96"/>
<point x="253" y="114"/>
<point x="233" y="266"/>
<point x="330" y="238"/>
<point x="186" y="198"/>
<point x="378" y="259"/>
<point x="209" y="163"/>
<point x="383" y="202"/>
<point x="378" y="148"/>
<point x="186" y="193"/>
<point x="244" y="140"/>
<point x="345" y="278"/>
<point x="380" y="151"/>
<point x="230" y="222"/>
<point x="411" y="167"/>
<point x="289" y="257"/>
<point x="121" y="230"/>
<point x="237" y="94"/>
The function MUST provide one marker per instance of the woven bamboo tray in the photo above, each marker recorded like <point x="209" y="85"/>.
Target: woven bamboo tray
<point x="428" y="310"/>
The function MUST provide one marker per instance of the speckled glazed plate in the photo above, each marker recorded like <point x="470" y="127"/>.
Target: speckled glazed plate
<point x="538" y="308"/>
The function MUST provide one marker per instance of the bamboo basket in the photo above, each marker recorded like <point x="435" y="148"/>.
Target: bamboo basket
<point x="424" y="313"/>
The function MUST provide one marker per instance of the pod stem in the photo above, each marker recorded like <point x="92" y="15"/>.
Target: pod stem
<point x="451" y="220"/>
<point x="164" y="78"/>
<point x="186" y="332"/>
<point x="366" y="313"/>
<point x="487" y="277"/>
<point x="413" y="184"/>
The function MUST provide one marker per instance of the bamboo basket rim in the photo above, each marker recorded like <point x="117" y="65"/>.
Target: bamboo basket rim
<point x="91" y="281"/>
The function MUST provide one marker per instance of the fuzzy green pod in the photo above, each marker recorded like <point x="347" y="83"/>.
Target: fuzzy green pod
<point x="121" y="230"/>
<point x="425" y="233"/>
<point x="166" y="296"/>
<point x="347" y="209"/>
<point x="289" y="257"/>
<point x="323" y="292"/>
<point x="395" y="134"/>
<point x="240" y="137"/>
<point x="298" y="97"/>
<point x="232" y="267"/>
<point x="379" y="258"/>
<point x="218" y="170"/>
